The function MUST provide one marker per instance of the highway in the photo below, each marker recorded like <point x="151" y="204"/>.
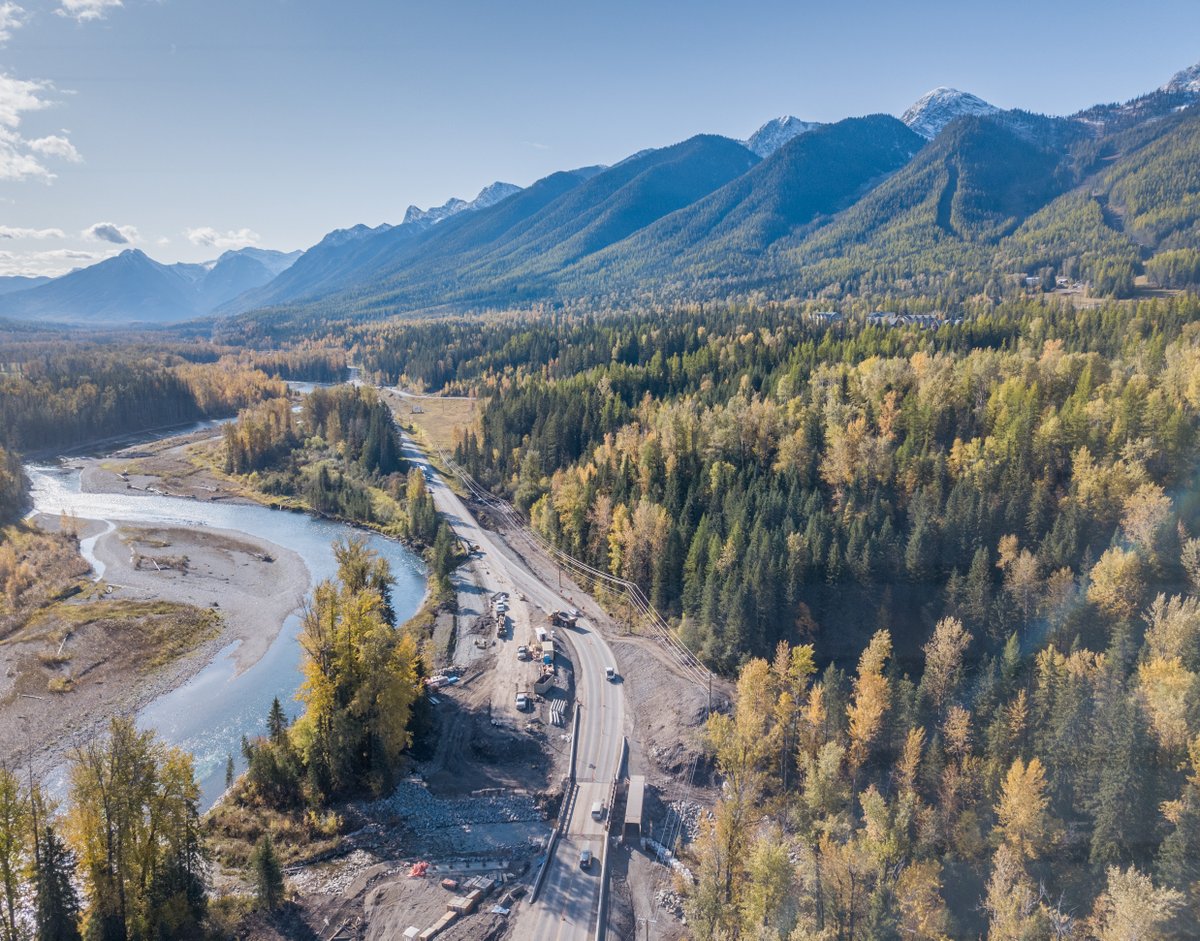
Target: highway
<point x="567" y="907"/>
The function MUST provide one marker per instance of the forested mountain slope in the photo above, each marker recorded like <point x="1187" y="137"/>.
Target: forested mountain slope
<point x="484" y="260"/>
<point x="722" y="236"/>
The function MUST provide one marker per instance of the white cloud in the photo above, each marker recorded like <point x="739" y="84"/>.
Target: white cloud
<point x="21" y="158"/>
<point x="17" y="232"/>
<point x="211" y="238"/>
<point x="55" y="145"/>
<point x="111" y="232"/>
<point x="11" y="17"/>
<point x="84" y="10"/>
<point x="48" y="264"/>
<point x="18" y="96"/>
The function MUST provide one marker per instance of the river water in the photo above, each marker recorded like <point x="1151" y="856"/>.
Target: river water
<point x="209" y="714"/>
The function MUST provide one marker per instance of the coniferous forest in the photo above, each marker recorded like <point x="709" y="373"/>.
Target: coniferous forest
<point x="953" y="571"/>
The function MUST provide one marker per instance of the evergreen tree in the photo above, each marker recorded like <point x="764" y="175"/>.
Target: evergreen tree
<point x="56" y="911"/>
<point x="277" y="722"/>
<point x="267" y="873"/>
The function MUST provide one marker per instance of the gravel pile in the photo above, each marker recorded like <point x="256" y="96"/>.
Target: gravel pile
<point x="671" y="902"/>
<point x="333" y="880"/>
<point x="691" y="814"/>
<point x="422" y="812"/>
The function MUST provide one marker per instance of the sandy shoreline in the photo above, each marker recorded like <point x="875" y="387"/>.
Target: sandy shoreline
<point x="160" y="467"/>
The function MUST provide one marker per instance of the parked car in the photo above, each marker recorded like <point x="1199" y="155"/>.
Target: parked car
<point x="522" y="652"/>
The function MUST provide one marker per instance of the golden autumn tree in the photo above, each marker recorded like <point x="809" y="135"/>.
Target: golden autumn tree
<point x="871" y="699"/>
<point x="134" y="825"/>
<point x="1117" y="583"/>
<point x="944" y="661"/>
<point x="1132" y="908"/>
<point x="14" y="817"/>
<point x="1023" y="818"/>
<point x="360" y="679"/>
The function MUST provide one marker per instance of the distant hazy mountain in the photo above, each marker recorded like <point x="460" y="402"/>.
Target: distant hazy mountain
<point x="934" y="110"/>
<point x="331" y="265"/>
<point x="133" y="288"/>
<point x="346" y="255"/>
<point x="777" y="132"/>
<point x="236" y="272"/>
<point x="11" y="284"/>
<point x="125" y="289"/>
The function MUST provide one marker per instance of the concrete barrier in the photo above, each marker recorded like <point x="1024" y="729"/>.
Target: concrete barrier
<point x="574" y="744"/>
<point x="602" y="908"/>
<point x="564" y="814"/>
<point x="552" y="844"/>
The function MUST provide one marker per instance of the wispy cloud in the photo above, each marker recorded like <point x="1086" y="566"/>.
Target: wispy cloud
<point x="84" y="10"/>
<point x="111" y="232"/>
<point x="535" y="145"/>
<point x="11" y="17"/>
<point x="48" y="263"/>
<point x="18" y="232"/>
<point x="21" y="158"/>
<point x="211" y="238"/>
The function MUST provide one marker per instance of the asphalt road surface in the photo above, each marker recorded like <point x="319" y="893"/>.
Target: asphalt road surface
<point x="569" y="901"/>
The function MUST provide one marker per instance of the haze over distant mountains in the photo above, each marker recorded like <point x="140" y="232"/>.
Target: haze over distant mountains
<point x="957" y="191"/>
<point x="131" y="287"/>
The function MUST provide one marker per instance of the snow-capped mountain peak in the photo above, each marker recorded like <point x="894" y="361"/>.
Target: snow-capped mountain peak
<point x="1186" y="82"/>
<point x="935" y="109"/>
<point x="777" y="132"/>
<point x="492" y="194"/>
<point x="488" y="196"/>
<point x="435" y="214"/>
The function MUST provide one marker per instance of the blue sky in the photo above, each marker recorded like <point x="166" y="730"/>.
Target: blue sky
<point x="187" y="126"/>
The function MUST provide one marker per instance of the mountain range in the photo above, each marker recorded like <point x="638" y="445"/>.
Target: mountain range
<point x="955" y="197"/>
<point x="132" y="287"/>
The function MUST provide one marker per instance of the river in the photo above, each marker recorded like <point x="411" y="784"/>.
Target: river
<point x="209" y="714"/>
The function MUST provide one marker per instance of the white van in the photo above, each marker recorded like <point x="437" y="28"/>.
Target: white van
<point x="598" y="810"/>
